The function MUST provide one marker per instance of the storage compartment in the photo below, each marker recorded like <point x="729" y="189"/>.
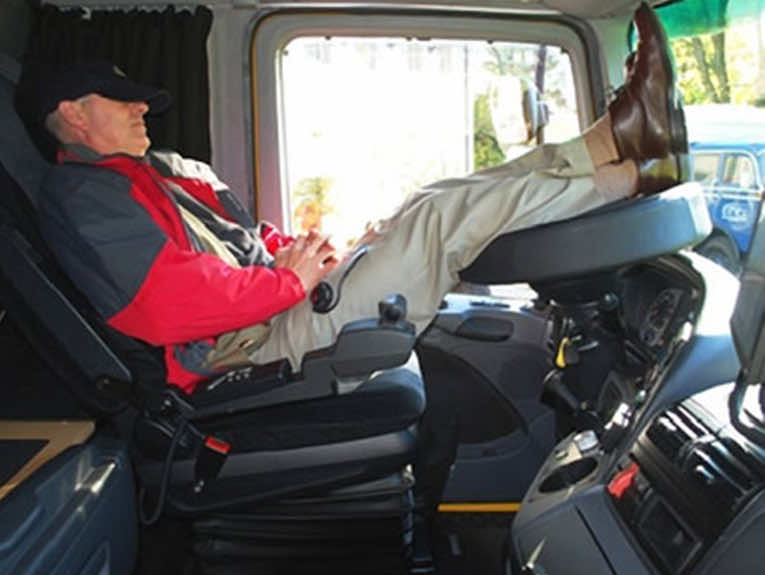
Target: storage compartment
<point x="568" y="475"/>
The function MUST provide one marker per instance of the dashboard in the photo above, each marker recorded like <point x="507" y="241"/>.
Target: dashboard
<point x="655" y="304"/>
<point x="661" y="312"/>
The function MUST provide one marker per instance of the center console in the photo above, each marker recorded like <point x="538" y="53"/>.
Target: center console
<point x="686" y="496"/>
<point x="682" y="483"/>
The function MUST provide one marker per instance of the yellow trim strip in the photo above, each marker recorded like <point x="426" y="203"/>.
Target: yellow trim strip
<point x="479" y="507"/>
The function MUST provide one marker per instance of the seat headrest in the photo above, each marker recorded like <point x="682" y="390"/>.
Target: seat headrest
<point x="18" y="154"/>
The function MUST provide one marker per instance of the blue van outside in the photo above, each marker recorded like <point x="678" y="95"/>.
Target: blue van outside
<point x="727" y="149"/>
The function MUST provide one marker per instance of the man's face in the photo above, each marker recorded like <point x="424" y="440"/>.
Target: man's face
<point x="114" y="126"/>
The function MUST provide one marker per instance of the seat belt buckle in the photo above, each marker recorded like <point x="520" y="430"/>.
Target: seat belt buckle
<point x="211" y="458"/>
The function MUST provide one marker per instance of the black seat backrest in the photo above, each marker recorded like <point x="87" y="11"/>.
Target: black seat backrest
<point x="19" y="266"/>
<point x="55" y="327"/>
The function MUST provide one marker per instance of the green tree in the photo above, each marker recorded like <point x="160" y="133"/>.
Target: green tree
<point x="486" y="149"/>
<point x="702" y="69"/>
<point x="312" y="202"/>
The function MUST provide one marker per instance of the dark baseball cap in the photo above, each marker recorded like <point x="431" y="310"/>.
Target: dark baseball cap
<point x="78" y="78"/>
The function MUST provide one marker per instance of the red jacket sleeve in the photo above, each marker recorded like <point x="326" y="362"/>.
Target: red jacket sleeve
<point x="272" y="238"/>
<point x="188" y="296"/>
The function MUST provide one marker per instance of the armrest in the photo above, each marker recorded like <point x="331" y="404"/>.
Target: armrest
<point x="362" y="347"/>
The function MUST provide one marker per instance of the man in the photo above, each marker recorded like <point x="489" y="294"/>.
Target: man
<point x="149" y="240"/>
<point x="163" y="261"/>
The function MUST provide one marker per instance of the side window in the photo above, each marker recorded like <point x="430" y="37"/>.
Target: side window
<point x="705" y="168"/>
<point x="739" y="172"/>
<point x="365" y="121"/>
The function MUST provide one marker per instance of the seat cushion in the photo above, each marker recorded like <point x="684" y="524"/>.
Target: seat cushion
<point x="390" y="401"/>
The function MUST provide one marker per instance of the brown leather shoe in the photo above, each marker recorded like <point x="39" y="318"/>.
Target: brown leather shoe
<point x="646" y="117"/>
<point x="659" y="174"/>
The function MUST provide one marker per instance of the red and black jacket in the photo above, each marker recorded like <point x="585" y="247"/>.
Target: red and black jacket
<point x="114" y="224"/>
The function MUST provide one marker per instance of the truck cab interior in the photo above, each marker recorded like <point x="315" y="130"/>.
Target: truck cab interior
<point x="606" y="377"/>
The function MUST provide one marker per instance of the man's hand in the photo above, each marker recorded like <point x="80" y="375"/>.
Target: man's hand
<point x="310" y="256"/>
<point x="372" y="233"/>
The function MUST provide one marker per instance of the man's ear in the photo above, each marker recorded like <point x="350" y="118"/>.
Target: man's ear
<point x="71" y="112"/>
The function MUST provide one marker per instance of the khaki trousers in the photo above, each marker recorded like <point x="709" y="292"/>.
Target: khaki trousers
<point x="438" y="232"/>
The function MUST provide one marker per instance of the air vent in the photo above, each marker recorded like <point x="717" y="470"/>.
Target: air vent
<point x="674" y="431"/>
<point x="716" y="465"/>
<point x="727" y="472"/>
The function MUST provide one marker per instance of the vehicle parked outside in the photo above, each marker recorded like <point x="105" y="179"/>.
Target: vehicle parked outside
<point x="727" y="150"/>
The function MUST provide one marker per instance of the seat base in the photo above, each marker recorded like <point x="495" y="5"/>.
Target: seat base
<point x="361" y="529"/>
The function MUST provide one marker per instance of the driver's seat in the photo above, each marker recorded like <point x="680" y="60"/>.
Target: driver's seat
<point x="269" y="464"/>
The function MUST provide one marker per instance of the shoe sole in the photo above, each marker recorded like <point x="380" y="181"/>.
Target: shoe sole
<point x="678" y="135"/>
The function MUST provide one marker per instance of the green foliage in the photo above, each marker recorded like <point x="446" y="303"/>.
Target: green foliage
<point x="717" y="46"/>
<point x="315" y="190"/>
<point x="312" y="203"/>
<point x="486" y="149"/>
<point x="700" y="78"/>
<point x="716" y="68"/>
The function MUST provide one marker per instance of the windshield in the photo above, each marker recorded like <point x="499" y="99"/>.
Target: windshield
<point x="718" y="47"/>
<point x="719" y="50"/>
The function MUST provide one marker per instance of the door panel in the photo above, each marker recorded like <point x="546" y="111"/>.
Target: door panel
<point x="493" y="357"/>
<point x="75" y="515"/>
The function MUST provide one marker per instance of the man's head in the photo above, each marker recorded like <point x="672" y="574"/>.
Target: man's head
<point x="104" y="125"/>
<point x="93" y="103"/>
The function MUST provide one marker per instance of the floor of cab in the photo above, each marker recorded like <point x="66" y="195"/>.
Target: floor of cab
<point x="471" y="543"/>
<point x="464" y="544"/>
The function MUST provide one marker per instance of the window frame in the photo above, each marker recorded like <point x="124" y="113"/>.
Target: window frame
<point x="273" y="33"/>
<point x="731" y="159"/>
<point x="724" y="155"/>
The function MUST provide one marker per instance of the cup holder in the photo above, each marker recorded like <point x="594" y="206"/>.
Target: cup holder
<point x="568" y="475"/>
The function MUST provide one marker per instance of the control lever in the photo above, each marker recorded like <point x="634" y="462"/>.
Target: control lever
<point x="531" y="567"/>
<point x="571" y="348"/>
<point x="553" y="382"/>
<point x="392" y="309"/>
<point x="323" y="296"/>
<point x="584" y="417"/>
<point x="617" y="427"/>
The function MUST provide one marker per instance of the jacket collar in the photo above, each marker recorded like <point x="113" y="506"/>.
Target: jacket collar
<point x="82" y="154"/>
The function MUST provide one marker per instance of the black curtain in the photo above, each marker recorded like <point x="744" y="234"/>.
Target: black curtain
<point x="165" y="48"/>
